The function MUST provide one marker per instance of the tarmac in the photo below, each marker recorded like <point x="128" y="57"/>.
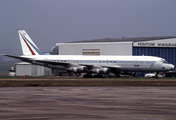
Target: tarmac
<point x="85" y="103"/>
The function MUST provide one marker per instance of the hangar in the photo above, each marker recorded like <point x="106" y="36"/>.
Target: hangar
<point x="164" y="47"/>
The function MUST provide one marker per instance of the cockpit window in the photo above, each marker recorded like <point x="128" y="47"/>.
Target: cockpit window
<point x="163" y="61"/>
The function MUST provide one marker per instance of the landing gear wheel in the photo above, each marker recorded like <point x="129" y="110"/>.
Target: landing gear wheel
<point x="117" y="75"/>
<point x="98" y="76"/>
<point x="156" y="75"/>
<point x="87" y="76"/>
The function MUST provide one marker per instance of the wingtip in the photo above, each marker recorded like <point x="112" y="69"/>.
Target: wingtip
<point x="4" y="54"/>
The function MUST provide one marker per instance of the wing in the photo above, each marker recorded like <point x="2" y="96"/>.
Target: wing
<point x="25" y="59"/>
<point x="112" y="67"/>
<point x="64" y="63"/>
<point x="68" y="64"/>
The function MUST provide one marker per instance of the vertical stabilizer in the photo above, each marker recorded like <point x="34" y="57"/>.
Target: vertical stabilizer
<point x="28" y="46"/>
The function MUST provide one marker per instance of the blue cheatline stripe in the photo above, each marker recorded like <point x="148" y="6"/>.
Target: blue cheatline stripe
<point x="38" y="51"/>
<point x="152" y="64"/>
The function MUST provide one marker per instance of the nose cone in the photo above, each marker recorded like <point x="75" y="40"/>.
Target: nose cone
<point x="172" y="67"/>
<point x="168" y="67"/>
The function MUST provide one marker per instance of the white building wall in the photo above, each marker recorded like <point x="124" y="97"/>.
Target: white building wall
<point x="23" y="70"/>
<point x="27" y="69"/>
<point x="106" y="48"/>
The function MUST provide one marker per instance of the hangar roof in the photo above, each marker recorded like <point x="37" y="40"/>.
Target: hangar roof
<point x="124" y="39"/>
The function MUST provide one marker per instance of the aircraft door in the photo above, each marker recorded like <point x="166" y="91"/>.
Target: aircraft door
<point x="136" y="63"/>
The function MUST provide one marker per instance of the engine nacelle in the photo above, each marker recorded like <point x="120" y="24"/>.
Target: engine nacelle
<point x="80" y="69"/>
<point x="101" y="70"/>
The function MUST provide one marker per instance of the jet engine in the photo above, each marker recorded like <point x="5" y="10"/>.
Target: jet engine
<point x="79" y="69"/>
<point x="101" y="70"/>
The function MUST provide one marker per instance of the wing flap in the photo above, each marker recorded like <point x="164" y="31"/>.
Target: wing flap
<point x="65" y="64"/>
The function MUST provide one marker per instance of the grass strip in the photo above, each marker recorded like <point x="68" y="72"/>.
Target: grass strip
<point x="85" y="82"/>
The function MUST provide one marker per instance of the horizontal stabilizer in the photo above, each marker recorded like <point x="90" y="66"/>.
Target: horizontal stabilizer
<point x="18" y="57"/>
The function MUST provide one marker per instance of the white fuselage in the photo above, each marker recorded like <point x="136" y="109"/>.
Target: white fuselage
<point x="118" y="63"/>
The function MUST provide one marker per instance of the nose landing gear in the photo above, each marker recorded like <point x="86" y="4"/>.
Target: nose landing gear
<point x="156" y="75"/>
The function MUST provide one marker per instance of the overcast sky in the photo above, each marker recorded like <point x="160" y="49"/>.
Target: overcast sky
<point x="56" y="21"/>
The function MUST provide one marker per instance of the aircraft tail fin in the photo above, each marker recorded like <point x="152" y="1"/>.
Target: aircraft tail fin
<point x="28" y="46"/>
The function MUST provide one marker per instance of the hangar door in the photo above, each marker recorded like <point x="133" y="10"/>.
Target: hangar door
<point x="167" y="53"/>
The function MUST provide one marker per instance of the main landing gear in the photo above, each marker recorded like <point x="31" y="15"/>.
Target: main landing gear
<point x="93" y="76"/>
<point x="156" y="75"/>
<point x="87" y="76"/>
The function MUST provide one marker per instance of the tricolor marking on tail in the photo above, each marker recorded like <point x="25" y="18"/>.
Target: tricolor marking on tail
<point x="28" y="46"/>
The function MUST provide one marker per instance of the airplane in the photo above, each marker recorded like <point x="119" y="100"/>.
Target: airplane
<point x="99" y="65"/>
